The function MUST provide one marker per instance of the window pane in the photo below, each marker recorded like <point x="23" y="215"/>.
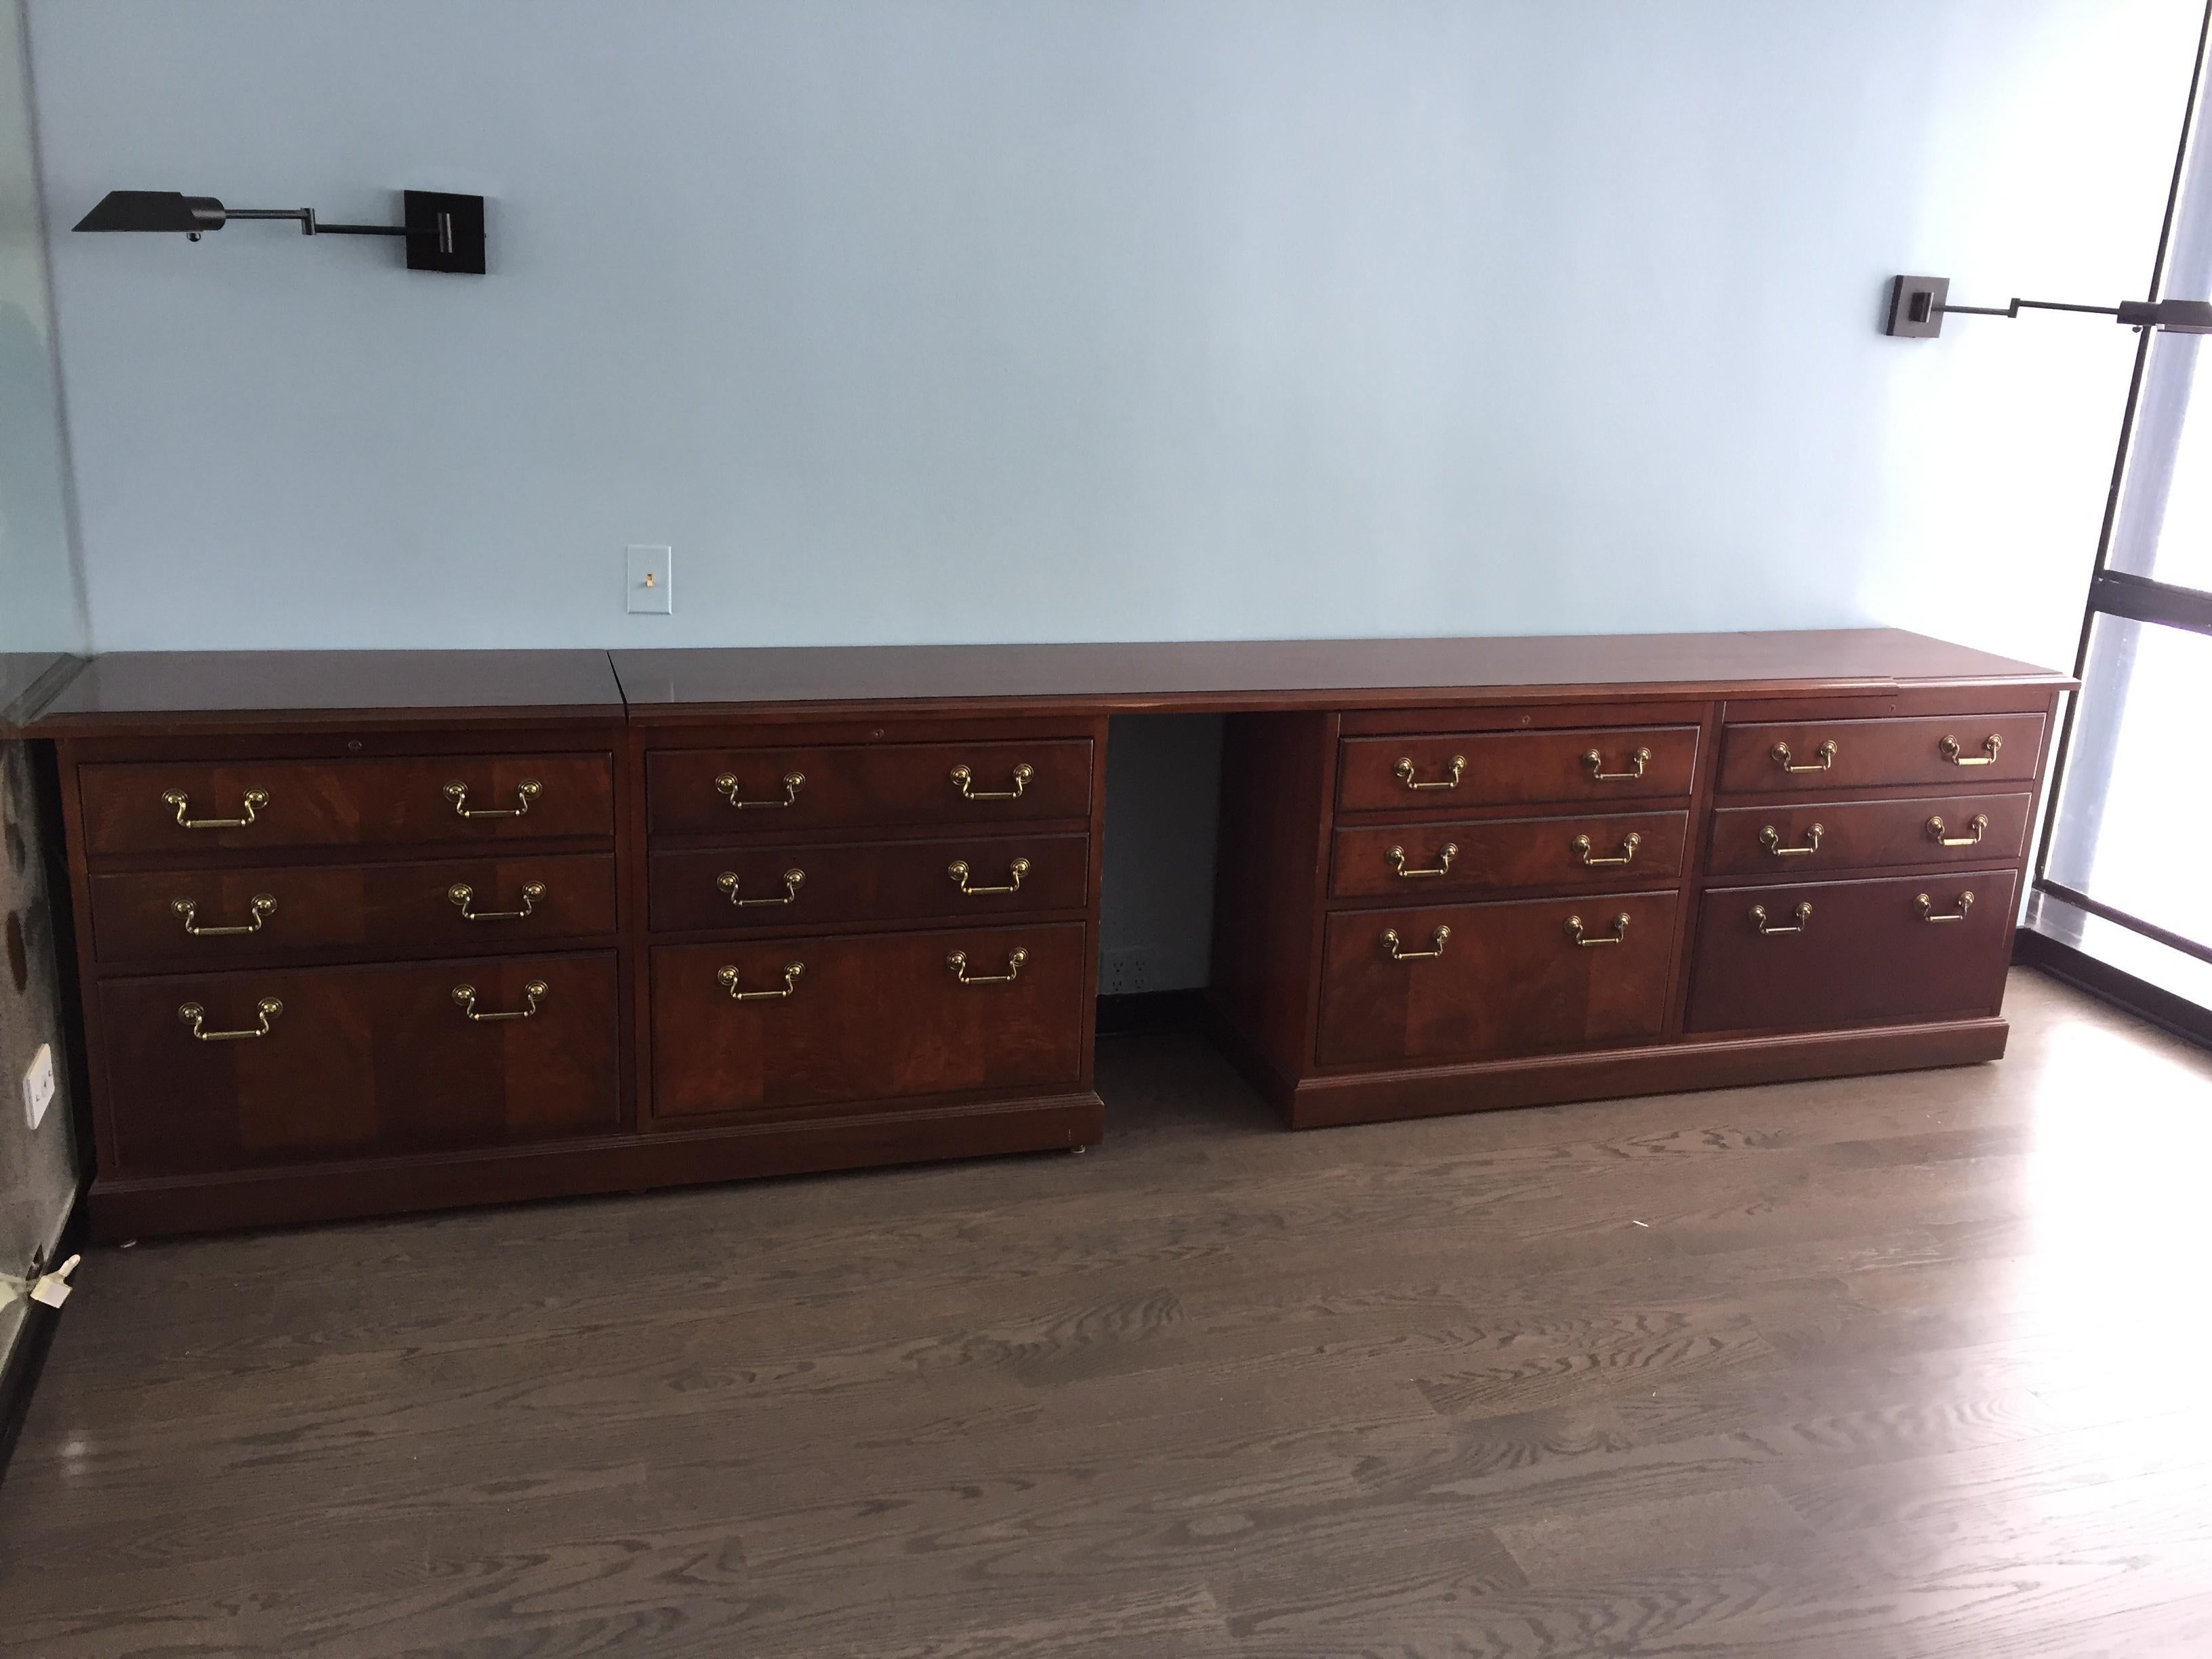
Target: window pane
<point x="2137" y="795"/>
<point x="2164" y="529"/>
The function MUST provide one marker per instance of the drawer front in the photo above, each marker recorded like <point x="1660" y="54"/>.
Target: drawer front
<point x="191" y="806"/>
<point x="233" y="916"/>
<point x="1490" y="769"/>
<point x="357" y="1062"/>
<point x="774" y="790"/>
<point x="1506" y="979"/>
<point x="1864" y="952"/>
<point x="866" y="1019"/>
<point x="1939" y="751"/>
<point x="1804" y="838"/>
<point x="799" y="883"/>
<point x="1585" y="853"/>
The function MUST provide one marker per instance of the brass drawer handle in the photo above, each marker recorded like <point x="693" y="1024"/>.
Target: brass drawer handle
<point x="1636" y="762"/>
<point x="1771" y="838"/>
<point x="1990" y="744"/>
<point x="964" y="782"/>
<point x="793" y="879"/>
<point x="464" y="998"/>
<point x="194" y="1016"/>
<point x="1619" y="936"/>
<point x="1826" y="751"/>
<point x="254" y="800"/>
<point x="261" y="905"/>
<point x="1978" y="823"/>
<point x="727" y="788"/>
<point x="1928" y="908"/>
<point x="1580" y="846"/>
<point x="959" y="873"/>
<point x="727" y="976"/>
<point x="1442" y="867"/>
<point x="525" y="792"/>
<point x="1404" y="769"/>
<point x="460" y="893"/>
<point x="957" y="961"/>
<point x="1759" y="922"/>
<point x="1396" y="953"/>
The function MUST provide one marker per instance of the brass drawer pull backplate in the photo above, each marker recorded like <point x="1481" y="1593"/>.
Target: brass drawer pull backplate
<point x="793" y="879"/>
<point x="195" y="1017"/>
<point x="251" y="806"/>
<point x="464" y="999"/>
<point x="1758" y="920"/>
<point x="261" y="905"/>
<point x="957" y="961"/>
<point x="525" y="792"/>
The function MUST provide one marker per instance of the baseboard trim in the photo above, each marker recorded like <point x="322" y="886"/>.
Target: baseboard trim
<point x="123" y="1209"/>
<point x="1378" y="1096"/>
<point x="27" y="1359"/>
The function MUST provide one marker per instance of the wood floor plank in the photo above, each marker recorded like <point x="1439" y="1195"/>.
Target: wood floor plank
<point x="1894" y="1366"/>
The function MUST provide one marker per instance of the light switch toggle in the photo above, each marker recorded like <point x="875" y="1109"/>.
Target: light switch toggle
<point x="651" y="580"/>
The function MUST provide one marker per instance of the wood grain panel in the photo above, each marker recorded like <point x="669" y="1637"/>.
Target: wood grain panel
<point x="870" y="1017"/>
<point x="866" y="881"/>
<point x="358" y="1062"/>
<point x="1870" y="753"/>
<point x="1509" y="979"/>
<point x="1866" y="952"/>
<point x="1780" y="840"/>
<point x="896" y="785"/>
<point x="405" y="908"/>
<point x="1497" y="855"/>
<point x="347" y="803"/>
<point x="1415" y="772"/>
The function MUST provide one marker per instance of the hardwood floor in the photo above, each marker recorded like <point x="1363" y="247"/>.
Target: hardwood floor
<point x="1887" y="1367"/>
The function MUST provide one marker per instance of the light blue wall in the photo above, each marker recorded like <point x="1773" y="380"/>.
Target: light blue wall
<point x="1097" y="318"/>
<point x="1041" y="318"/>
<point x="41" y="624"/>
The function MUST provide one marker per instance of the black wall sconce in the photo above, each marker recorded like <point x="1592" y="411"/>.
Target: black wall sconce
<point x="443" y="232"/>
<point x="1918" y="306"/>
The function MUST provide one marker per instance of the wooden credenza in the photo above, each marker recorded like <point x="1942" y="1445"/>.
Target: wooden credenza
<point x="367" y="932"/>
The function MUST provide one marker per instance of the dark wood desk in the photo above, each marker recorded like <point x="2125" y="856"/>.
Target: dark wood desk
<point x="363" y="931"/>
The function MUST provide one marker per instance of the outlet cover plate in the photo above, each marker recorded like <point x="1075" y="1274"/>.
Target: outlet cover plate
<point x="651" y="580"/>
<point x="39" y="1085"/>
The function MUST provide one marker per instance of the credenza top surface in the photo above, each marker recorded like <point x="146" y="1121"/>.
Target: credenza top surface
<point x="139" y="689"/>
<point x="1292" y="673"/>
<point x="144" y="691"/>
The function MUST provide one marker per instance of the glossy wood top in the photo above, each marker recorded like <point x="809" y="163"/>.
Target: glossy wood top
<point x="28" y="679"/>
<point x="133" y="691"/>
<point x="1302" y="673"/>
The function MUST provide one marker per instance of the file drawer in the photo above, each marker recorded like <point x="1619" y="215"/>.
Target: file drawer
<point x="1821" y="954"/>
<point x="774" y="791"/>
<point x="196" y="806"/>
<point x="1823" y="837"/>
<point x="1940" y="752"/>
<point x="260" y="1067"/>
<point x="796" y="884"/>
<point x="1494" y="768"/>
<point x="236" y="915"/>
<point x="1589" y="852"/>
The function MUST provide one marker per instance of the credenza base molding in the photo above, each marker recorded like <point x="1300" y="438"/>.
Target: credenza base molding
<point x="1726" y="1063"/>
<point x="125" y="1209"/>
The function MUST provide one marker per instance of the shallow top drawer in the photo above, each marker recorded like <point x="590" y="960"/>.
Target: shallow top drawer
<point x="154" y="806"/>
<point x="1481" y="769"/>
<point x="720" y="790"/>
<point x="1941" y="750"/>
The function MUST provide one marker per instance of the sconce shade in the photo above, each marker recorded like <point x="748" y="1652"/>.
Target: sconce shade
<point x="2170" y="316"/>
<point x="153" y="209"/>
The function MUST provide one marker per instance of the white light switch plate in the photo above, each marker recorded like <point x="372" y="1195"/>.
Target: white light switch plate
<point x="39" y="1085"/>
<point x="651" y="580"/>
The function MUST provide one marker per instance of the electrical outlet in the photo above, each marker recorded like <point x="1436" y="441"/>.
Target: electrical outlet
<point x="651" y="580"/>
<point x="39" y="1085"/>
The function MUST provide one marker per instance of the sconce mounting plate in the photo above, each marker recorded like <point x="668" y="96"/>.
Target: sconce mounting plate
<point x="1916" y="306"/>
<point x="461" y="252"/>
